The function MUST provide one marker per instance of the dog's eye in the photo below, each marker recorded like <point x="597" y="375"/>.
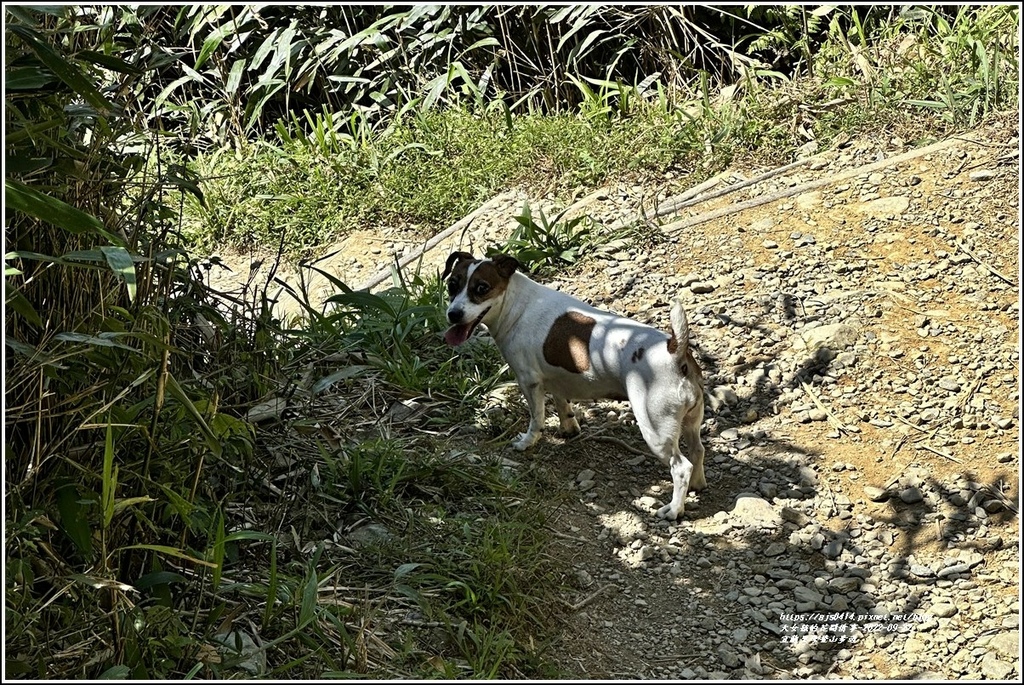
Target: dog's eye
<point x="481" y="288"/>
<point x="453" y="286"/>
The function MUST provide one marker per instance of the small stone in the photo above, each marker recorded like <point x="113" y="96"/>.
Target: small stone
<point x="796" y="517"/>
<point x="728" y="657"/>
<point x="752" y="511"/>
<point x="943" y="610"/>
<point x="729" y="435"/>
<point x="833" y="549"/>
<point x="774" y="549"/>
<point x="585" y="474"/>
<point x="701" y="288"/>
<point x="922" y="571"/>
<point x="994" y="668"/>
<point x="804" y="594"/>
<point x="982" y="175"/>
<point x="770" y="244"/>
<point x="911" y="495"/>
<point x="877" y="494"/>
<point x="586" y="485"/>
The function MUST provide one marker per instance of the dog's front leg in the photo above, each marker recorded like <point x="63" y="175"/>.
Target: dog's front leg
<point x="568" y="424"/>
<point x="534" y="394"/>
<point x="681" y="470"/>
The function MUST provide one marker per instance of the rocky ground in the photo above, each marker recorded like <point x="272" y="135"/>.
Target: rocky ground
<point x="860" y="343"/>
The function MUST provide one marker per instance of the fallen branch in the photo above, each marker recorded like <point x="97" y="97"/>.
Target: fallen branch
<point x="812" y="185"/>
<point x="462" y="223"/>
<point x="616" y="441"/>
<point x="985" y="264"/>
<point x="924" y="445"/>
<point x="833" y="419"/>
<point x="582" y="603"/>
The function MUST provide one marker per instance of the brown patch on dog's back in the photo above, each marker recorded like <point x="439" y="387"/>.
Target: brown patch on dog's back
<point x="567" y="345"/>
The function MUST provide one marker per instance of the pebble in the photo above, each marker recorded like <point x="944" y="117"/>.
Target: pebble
<point x="911" y="495"/>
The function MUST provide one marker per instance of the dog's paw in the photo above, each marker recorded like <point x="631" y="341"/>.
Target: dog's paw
<point x="525" y="441"/>
<point x="668" y="513"/>
<point x="570" y="430"/>
<point x="697" y="482"/>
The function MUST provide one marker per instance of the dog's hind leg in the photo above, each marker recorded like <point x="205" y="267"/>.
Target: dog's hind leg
<point x="534" y="395"/>
<point x="569" y="426"/>
<point x="694" y="448"/>
<point x="662" y="437"/>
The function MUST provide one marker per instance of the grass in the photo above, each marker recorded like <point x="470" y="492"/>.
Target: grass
<point x="919" y="75"/>
<point x="155" y="528"/>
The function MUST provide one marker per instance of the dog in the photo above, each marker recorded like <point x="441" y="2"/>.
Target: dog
<point x="558" y="344"/>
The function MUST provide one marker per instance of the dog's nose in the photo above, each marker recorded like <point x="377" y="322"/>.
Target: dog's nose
<point x="454" y="315"/>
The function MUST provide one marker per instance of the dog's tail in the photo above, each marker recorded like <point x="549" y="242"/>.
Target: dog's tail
<point x="679" y="343"/>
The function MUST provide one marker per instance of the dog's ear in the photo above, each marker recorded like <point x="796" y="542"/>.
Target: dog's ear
<point x="453" y="259"/>
<point x="505" y="264"/>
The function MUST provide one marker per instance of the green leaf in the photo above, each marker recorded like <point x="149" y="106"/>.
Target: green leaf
<point x="57" y="212"/>
<point x="73" y="519"/>
<point x="350" y="371"/>
<point x="159" y="578"/>
<point x="179" y="394"/>
<point x="405" y="569"/>
<point x="109" y="479"/>
<point x="109" y="61"/>
<point x="172" y="551"/>
<point x="64" y="70"/>
<point x="122" y="265"/>
<point x="28" y="78"/>
<point x="235" y="76"/>
<point x="119" y="672"/>
<point x="21" y="306"/>
<point x="218" y="550"/>
<point x="122" y="504"/>
<point x="16" y="164"/>
<point x="102" y="340"/>
<point x="212" y="42"/>
<point x="309" y="596"/>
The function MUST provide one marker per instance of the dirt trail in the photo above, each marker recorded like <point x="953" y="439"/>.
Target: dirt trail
<point x="861" y="347"/>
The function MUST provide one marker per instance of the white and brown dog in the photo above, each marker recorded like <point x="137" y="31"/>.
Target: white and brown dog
<point x="558" y="344"/>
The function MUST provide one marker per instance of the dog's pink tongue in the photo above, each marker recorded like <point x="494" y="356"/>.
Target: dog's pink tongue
<point x="456" y="335"/>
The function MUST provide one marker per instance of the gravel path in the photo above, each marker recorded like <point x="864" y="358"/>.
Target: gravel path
<point x="863" y="383"/>
<point x="861" y="350"/>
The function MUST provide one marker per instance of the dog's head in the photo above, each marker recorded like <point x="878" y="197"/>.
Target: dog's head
<point x="475" y="288"/>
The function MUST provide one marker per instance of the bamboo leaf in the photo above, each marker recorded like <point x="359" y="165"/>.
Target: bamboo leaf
<point x="122" y="504"/>
<point x="109" y="479"/>
<point x="172" y="551"/>
<point x="28" y="78"/>
<point x="101" y="340"/>
<point x="309" y="593"/>
<point x="122" y="265"/>
<point x="179" y="394"/>
<point x="350" y="371"/>
<point x="109" y="61"/>
<point x="218" y="550"/>
<point x="51" y="210"/>
<point x="271" y="585"/>
<point x="73" y="520"/>
<point x="64" y="70"/>
<point x="213" y="42"/>
<point x="21" y="306"/>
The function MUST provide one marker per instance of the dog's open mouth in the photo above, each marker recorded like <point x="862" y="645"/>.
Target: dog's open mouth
<point x="456" y="335"/>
